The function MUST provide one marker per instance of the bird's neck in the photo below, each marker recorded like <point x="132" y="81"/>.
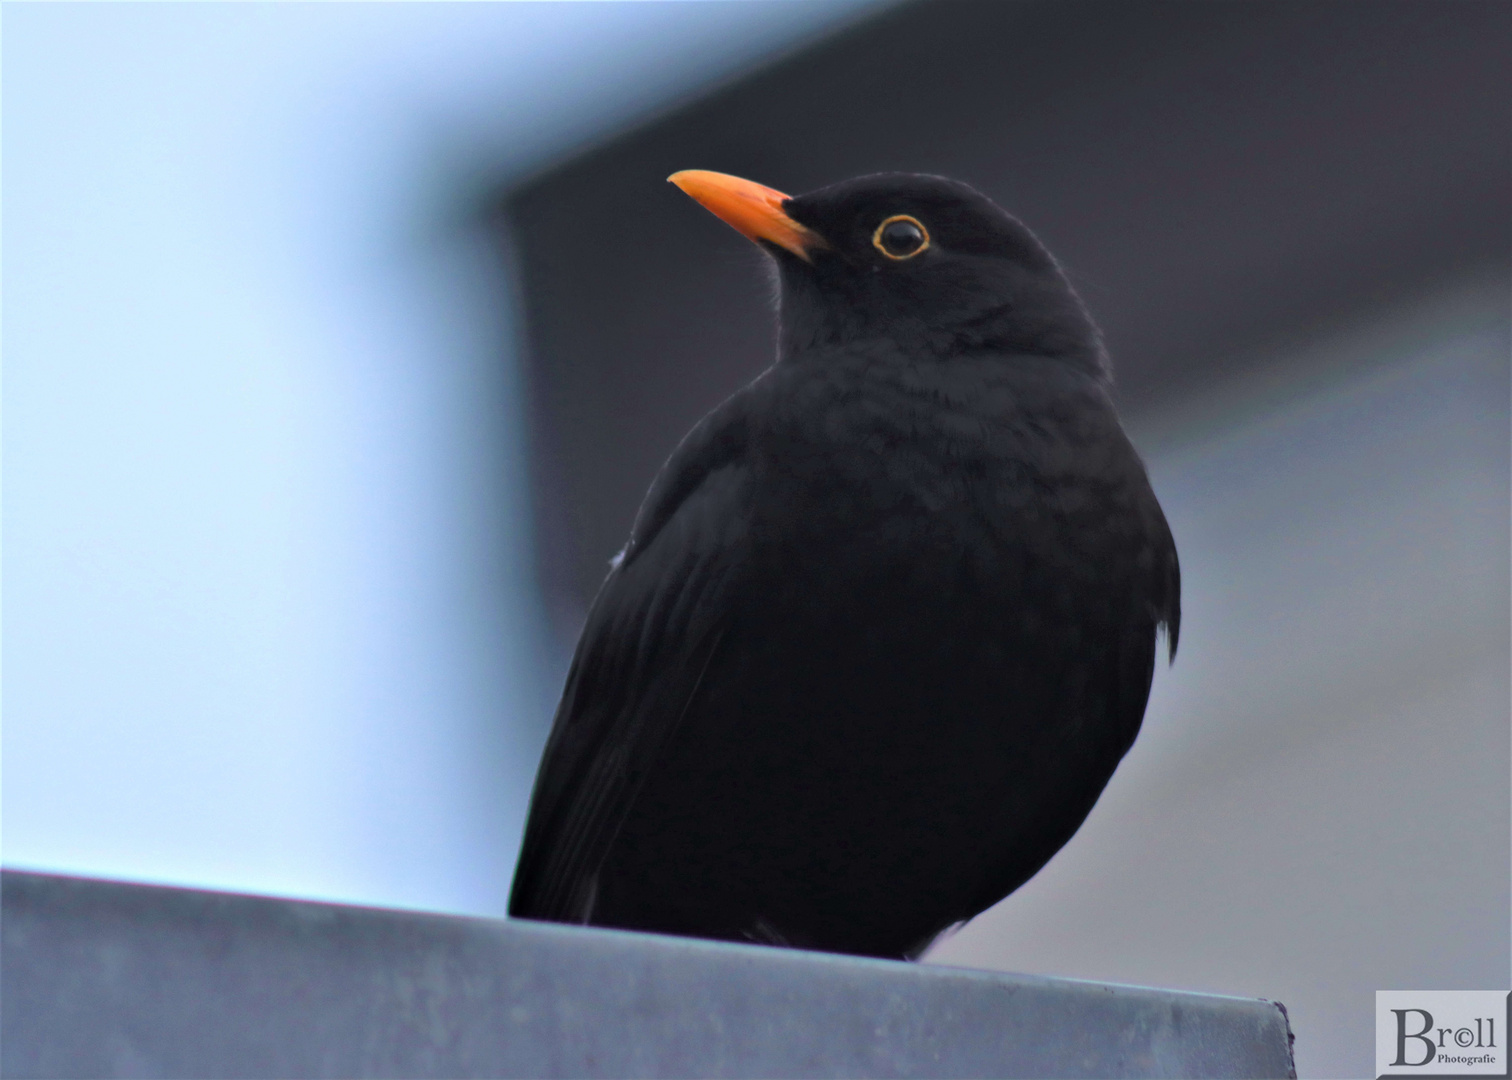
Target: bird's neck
<point x="1055" y="327"/>
<point x="801" y="340"/>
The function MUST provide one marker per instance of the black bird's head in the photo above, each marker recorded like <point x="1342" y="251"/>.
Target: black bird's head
<point x="925" y="262"/>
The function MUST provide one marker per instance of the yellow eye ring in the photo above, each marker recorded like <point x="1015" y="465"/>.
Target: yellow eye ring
<point x="915" y="222"/>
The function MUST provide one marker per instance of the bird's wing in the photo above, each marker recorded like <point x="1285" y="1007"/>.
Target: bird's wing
<point x="648" y="640"/>
<point x="1155" y="610"/>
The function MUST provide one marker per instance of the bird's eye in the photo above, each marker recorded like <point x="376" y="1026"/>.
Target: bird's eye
<point x="900" y="237"/>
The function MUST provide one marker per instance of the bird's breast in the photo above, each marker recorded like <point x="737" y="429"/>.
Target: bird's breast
<point x="921" y="493"/>
<point x="891" y="473"/>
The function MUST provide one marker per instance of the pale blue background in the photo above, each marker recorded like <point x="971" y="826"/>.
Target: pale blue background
<point x="270" y="618"/>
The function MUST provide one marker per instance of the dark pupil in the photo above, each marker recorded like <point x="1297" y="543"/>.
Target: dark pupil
<point x="902" y="238"/>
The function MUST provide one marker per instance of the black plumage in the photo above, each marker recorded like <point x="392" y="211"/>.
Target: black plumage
<point x="887" y="619"/>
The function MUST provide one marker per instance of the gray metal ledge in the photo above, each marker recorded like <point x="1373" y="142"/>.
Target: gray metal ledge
<point x="107" y="979"/>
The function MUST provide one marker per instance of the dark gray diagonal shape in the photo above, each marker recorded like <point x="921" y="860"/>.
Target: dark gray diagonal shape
<point x="108" y="979"/>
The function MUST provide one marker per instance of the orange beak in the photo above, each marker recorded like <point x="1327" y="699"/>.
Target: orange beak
<point x="750" y="209"/>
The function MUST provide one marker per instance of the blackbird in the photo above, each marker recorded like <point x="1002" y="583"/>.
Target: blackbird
<point x="886" y="621"/>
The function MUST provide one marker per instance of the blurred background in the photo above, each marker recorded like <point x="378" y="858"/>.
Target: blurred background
<point x="341" y="342"/>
